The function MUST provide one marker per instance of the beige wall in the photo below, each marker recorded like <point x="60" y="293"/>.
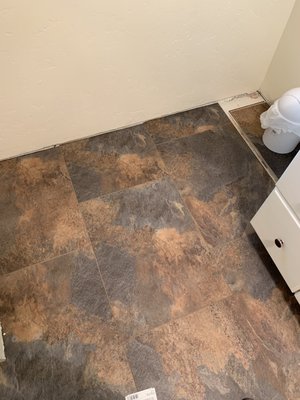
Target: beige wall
<point x="71" y="69"/>
<point x="284" y="71"/>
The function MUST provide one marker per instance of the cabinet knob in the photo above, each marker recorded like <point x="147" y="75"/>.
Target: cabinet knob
<point x="279" y="242"/>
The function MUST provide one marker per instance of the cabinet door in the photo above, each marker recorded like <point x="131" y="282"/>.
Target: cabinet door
<point x="289" y="185"/>
<point x="279" y="230"/>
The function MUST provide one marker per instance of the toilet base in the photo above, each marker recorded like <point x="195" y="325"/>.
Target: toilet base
<point x="282" y="143"/>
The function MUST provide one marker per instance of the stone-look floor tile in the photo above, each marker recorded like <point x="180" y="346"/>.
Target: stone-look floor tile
<point x="111" y="162"/>
<point x="247" y="267"/>
<point x="38" y="210"/>
<point x="151" y="257"/>
<point x="272" y="327"/>
<point x="229" y="350"/>
<point x="59" y="340"/>
<point x="226" y="214"/>
<point x="221" y="182"/>
<point x="204" y="163"/>
<point x="249" y="120"/>
<point x="225" y="325"/>
<point x="199" y="120"/>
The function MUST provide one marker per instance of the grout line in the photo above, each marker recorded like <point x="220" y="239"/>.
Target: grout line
<point x="188" y="314"/>
<point x="135" y="334"/>
<point x="87" y="233"/>
<point x="100" y="274"/>
<point x="174" y="139"/>
<point x="207" y="247"/>
<point x="163" y="170"/>
<point x="101" y="196"/>
<point x="129" y="365"/>
<point x="39" y="262"/>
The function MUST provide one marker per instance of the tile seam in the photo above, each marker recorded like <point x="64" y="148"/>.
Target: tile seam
<point x="251" y="145"/>
<point x="87" y="232"/>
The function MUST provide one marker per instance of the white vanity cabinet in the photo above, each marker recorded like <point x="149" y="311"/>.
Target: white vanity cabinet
<point x="277" y="223"/>
<point x="289" y="185"/>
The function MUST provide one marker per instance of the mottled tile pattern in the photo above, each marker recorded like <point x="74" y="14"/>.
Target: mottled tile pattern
<point x="236" y="348"/>
<point x="221" y="182"/>
<point x="226" y="214"/>
<point x="152" y="259"/>
<point x="187" y="123"/>
<point x="206" y="162"/>
<point x="154" y="278"/>
<point x="59" y="342"/>
<point x="249" y="120"/>
<point x="111" y="162"/>
<point x="38" y="210"/>
<point x="247" y="267"/>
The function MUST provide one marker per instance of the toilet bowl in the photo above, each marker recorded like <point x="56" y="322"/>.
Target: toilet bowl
<point x="282" y="123"/>
<point x="281" y="143"/>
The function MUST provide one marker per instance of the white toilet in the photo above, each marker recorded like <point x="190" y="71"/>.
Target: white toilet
<point x="282" y="123"/>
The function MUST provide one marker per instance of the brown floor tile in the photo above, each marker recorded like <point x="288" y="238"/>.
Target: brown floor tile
<point x="205" y="163"/>
<point x="249" y="120"/>
<point x="38" y="210"/>
<point x="247" y="267"/>
<point x="151" y="257"/>
<point x="226" y="214"/>
<point x="213" y="317"/>
<point x="111" y="162"/>
<point x="187" y="123"/>
<point x="59" y="341"/>
<point x="230" y="350"/>
<point x="220" y="180"/>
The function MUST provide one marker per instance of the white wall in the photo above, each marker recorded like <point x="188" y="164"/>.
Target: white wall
<point x="284" y="71"/>
<point x="70" y="69"/>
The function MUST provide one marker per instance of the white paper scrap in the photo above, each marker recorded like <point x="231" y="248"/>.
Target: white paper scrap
<point x="147" y="394"/>
<point x="2" y="355"/>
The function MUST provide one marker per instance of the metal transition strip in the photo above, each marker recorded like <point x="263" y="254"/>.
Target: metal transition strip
<point x="241" y="101"/>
